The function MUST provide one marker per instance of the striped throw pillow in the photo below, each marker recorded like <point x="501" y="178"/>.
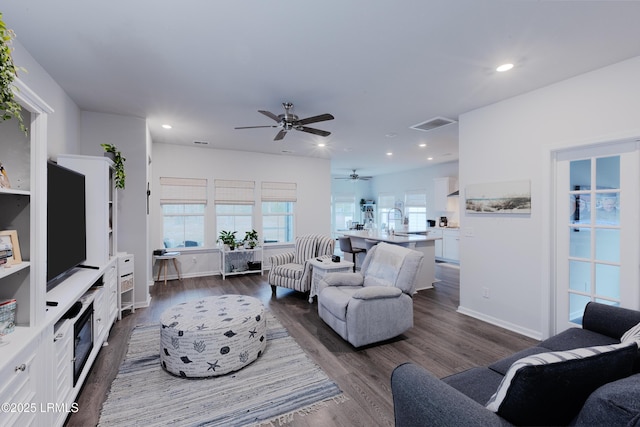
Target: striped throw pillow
<point x="632" y="334"/>
<point x="550" y="388"/>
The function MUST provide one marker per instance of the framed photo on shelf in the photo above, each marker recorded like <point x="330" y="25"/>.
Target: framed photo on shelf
<point x="11" y="236"/>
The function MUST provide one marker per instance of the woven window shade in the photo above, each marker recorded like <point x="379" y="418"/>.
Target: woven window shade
<point x="386" y="201"/>
<point x="344" y="198"/>
<point x="183" y="191"/>
<point x="234" y="192"/>
<point x="415" y="198"/>
<point x="279" y="192"/>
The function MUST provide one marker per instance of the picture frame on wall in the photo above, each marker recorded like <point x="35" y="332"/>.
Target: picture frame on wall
<point x="11" y="236"/>
<point x="513" y="197"/>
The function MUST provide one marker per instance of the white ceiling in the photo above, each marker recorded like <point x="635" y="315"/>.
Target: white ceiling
<point x="378" y="66"/>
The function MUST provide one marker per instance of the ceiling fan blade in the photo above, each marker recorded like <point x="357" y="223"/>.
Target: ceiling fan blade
<point x="315" y="119"/>
<point x="254" y="127"/>
<point x="280" y="135"/>
<point x="270" y="115"/>
<point x="313" y="131"/>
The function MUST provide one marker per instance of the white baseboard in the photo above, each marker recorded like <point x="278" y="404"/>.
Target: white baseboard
<point x="501" y="323"/>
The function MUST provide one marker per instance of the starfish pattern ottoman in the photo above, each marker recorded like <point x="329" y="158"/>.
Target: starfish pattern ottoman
<point x="212" y="336"/>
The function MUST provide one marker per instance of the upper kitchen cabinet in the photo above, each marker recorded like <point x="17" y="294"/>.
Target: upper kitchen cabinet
<point x="443" y="187"/>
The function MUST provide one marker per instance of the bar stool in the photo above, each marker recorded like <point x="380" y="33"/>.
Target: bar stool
<point x="345" y="246"/>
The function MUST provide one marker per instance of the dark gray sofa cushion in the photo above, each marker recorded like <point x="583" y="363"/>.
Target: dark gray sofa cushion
<point x="576" y="338"/>
<point x="553" y="393"/>
<point x="477" y="383"/>
<point x="614" y="323"/>
<point x="613" y="404"/>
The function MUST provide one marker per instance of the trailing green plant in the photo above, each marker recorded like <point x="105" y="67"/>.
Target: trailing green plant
<point x="251" y="238"/>
<point x="9" y="108"/>
<point x="227" y="238"/>
<point x="118" y="167"/>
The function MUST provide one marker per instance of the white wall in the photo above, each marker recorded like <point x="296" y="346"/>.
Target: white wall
<point x="312" y="175"/>
<point x="513" y="140"/>
<point x="63" y="124"/>
<point x="129" y="134"/>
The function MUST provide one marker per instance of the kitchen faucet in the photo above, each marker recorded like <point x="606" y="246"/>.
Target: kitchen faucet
<point x="395" y="219"/>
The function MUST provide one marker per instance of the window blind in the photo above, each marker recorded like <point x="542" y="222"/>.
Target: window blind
<point x="415" y="198"/>
<point x="279" y="192"/>
<point x="234" y="192"/>
<point x="183" y="191"/>
<point x="386" y="201"/>
<point x="344" y="198"/>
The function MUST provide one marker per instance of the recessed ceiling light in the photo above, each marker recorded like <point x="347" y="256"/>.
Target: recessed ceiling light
<point x="389" y="153"/>
<point x="504" y="67"/>
<point x="391" y="135"/>
<point x="166" y="126"/>
<point x="429" y="158"/>
<point x="422" y="145"/>
<point x="322" y="144"/>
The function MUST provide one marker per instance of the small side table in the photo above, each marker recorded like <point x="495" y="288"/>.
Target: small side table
<point x="164" y="259"/>
<point x="322" y="268"/>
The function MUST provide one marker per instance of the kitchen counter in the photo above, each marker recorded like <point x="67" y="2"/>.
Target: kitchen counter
<point x="418" y="242"/>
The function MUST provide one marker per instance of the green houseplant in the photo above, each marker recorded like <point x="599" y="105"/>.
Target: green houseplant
<point x="251" y="238"/>
<point x="9" y="108"/>
<point x="118" y="161"/>
<point x="227" y="238"/>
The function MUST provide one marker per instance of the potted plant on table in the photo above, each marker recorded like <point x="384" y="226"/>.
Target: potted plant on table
<point x="251" y="239"/>
<point x="118" y="163"/>
<point x="227" y="238"/>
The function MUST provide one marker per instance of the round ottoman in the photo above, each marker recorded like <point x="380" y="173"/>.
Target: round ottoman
<point x="212" y="336"/>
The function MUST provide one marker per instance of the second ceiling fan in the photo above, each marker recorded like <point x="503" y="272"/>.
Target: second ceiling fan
<point x="289" y="120"/>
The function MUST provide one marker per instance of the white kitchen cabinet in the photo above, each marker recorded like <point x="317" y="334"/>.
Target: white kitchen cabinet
<point x="451" y="244"/>
<point x="442" y="188"/>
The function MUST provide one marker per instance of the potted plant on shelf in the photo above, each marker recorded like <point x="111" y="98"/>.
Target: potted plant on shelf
<point x="9" y="107"/>
<point x="227" y="238"/>
<point x="251" y="239"/>
<point x="118" y="163"/>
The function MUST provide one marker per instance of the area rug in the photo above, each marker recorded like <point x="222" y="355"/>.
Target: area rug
<point x="282" y="382"/>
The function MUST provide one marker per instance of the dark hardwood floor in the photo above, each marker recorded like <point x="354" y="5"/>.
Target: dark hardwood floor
<point x="442" y="340"/>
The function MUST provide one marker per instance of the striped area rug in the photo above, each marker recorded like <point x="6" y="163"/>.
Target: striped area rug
<point x="283" y="381"/>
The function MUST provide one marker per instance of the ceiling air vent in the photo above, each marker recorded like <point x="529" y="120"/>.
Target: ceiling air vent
<point x="432" y="124"/>
<point x="201" y="142"/>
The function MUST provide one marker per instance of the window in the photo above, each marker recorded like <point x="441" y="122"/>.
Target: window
<point x="278" y="203"/>
<point x="182" y="225"/>
<point x="344" y="211"/>
<point x="183" y="203"/>
<point x="415" y="209"/>
<point x="277" y="222"/>
<point x="234" y="206"/>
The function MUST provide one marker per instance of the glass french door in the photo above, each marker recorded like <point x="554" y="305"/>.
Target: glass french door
<point x="597" y="244"/>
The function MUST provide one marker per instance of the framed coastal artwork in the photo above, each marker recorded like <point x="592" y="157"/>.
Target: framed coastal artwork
<point x="513" y="197"/>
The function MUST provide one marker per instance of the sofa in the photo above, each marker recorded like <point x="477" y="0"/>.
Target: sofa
<point x="292" y="269"/>
<point x="375" y="303"/>
<point x="585" y="376"/>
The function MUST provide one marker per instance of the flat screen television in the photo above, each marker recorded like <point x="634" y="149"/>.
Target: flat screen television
<point x="66" y="222"/>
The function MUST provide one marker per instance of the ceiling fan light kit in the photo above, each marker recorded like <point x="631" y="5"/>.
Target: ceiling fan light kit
<point x="289" y="121"/>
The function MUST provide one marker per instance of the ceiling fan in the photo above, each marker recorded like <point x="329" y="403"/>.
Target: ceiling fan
<point x="355" y="177"/>
<point x="289" y="120"/>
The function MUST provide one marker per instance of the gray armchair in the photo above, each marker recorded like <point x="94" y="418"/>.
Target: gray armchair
<point x="374" y="304"/>
<point x="292" y="270"/>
